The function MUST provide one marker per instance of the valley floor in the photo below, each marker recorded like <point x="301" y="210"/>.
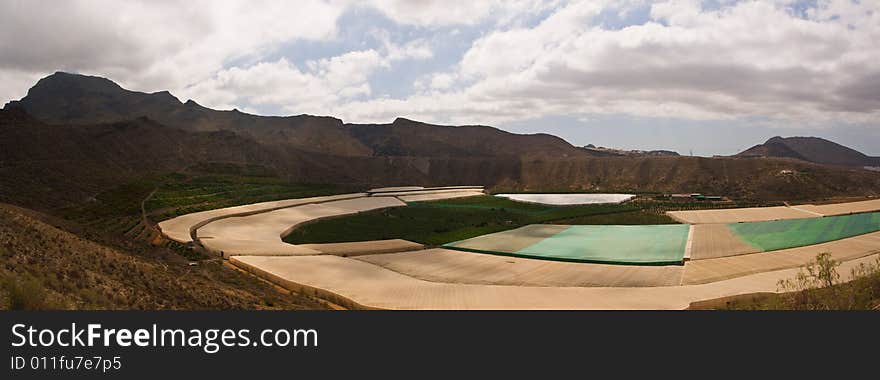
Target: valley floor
<point x="455" y="279"/>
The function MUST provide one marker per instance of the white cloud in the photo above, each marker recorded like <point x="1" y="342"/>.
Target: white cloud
<point x="318" y="88"/>
<point x="415" y="49"/>
<point x="151" y="45"/>
<point x="315" y="88"/>
<point x="437" y="13"/>
<point x="742" y="60"/>
<point x="442" y="81"/>
<point x="751" y="59"/>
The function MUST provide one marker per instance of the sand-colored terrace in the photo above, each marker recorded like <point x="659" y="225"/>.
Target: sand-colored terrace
<point x="438" y="196"/>
<point x="758" y="214"/>
<point x="180" y="228"/>
<point x="257" y="229"/>
<point x="842" y="208"/>
<point x="396" y="274"/>
<point x="716" y="240"/>
<point x="427" y="194"/>
<point x="357" y="248"/>
<point x="644" y="244"/>
<point x="444" y="265"/>
<point x="359" y="284"/>
<point x="261" y="234"/>
<point x="738" y="215"/>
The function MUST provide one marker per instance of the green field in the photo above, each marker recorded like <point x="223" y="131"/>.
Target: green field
<point x="179" y="194"/>
<point x="781" y="234"/>
<point x="440" y="222"/>
<point x="637" y="217"/>
<point x="118" y="210"/>
<point x="614" y="244"/>
<point x="644" y="245"/>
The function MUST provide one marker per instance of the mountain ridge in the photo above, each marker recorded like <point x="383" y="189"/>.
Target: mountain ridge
<point x="63" y="97"/>
<point x="112" y="141"/>
<point x="811" y="149"/>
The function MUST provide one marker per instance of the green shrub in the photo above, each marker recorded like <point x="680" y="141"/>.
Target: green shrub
<point x="817" y="287"/>
<point x="816" y="274"/>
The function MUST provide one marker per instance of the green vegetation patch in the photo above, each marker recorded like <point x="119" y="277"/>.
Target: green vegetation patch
<point x="439" y="222"/>
<point x="782" y="234"/>
<point x="131" y="209"/>
<point x="621" y="218"/>
<point x="184" y="194"/>
<point x="645" y="245"/>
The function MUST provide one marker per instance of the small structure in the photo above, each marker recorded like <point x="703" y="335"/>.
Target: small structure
<point x="696" y="196"/>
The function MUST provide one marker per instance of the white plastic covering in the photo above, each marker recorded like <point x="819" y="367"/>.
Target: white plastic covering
<point x="569" y="199"/>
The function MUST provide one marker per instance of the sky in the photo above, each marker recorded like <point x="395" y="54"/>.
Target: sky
<point x="698" y="77"/>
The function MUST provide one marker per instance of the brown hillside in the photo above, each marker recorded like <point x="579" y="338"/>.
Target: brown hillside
<point x="766" y="179"/>
<point x="44" y="267"/>
<point x="406" y="137"/>
<point x="47" y="166"/>
<point x="102" y="136"/>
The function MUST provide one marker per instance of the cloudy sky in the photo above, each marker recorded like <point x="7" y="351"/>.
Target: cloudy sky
<point x="711" y="77"/>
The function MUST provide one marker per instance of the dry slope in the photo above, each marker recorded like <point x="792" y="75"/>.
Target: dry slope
<point x="44" y="267"/>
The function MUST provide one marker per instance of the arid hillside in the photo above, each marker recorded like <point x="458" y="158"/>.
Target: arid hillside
<point x="44" y="267"/>
<point x="74" y="136"/>
<point x="764" y="179"/>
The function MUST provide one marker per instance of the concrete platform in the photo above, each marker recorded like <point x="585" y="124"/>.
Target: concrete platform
<point x="759" y="214"/>
<point x="783" y="234"/>
<point x="394" y="189"/>
<point x="261" y="234"/>
<point x="609" y="244"/>
<point x="409" y="190"/>
<point x="717" y="269"/>
<point x="511" y="240"/>
<point x="358" y="248"/>
<point x="424" y="194"/>
<point x="358" y="284"/>
<point x="178" y="229"/>
<point x="444" y="265"/>
<point x="737" y="215"/>
<point x="842" y="208"/>
<point x="428" y="191"/>
<point x="716" y="240"/>
<point x="250" y="236"/>
<point x="439" y="196"/>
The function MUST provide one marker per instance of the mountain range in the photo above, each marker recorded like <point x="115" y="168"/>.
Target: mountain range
<point x="812" y="149"/>
<point x="603" y="151"/>
<point x="73" y="136"/>
<point x="72" y="99"/>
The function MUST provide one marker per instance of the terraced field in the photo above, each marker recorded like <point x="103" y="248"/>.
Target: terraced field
<point x="536" y="266"/>
<point x="435" y="223"/>
<point x="781" y="234"/>
<point x="644" y="245"/>
<point x="179" y="194"/>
